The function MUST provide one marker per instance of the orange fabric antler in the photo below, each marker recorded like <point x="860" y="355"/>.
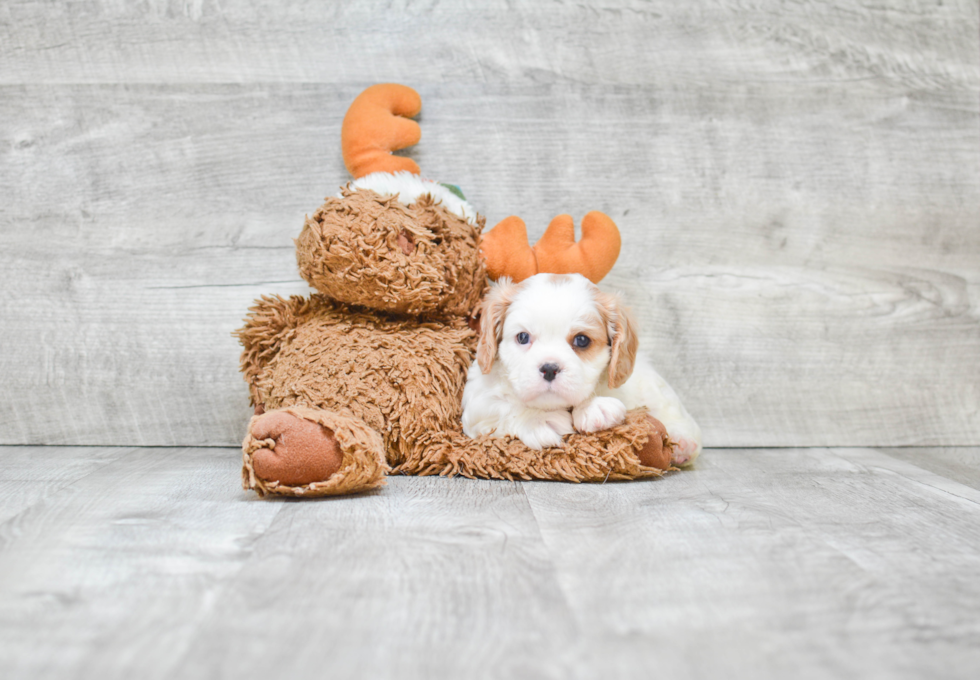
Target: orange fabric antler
<point x="592" y="257"/>
<point x="507" y="252"/>
<point x="377" y="123"/>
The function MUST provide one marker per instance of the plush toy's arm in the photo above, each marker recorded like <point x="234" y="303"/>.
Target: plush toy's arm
<point x="270" y="322"/>
<point x="637" y="448"/>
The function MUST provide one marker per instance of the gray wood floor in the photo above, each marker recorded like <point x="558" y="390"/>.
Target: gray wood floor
<point x="759" y="563"/>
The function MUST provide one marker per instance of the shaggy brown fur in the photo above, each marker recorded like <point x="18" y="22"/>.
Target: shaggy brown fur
<point x="350" y="251"/>
<point x="379" y="359"/>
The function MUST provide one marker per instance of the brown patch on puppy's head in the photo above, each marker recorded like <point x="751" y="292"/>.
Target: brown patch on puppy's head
<point x="623" y="340"/>
<point x="492" y="315"/>
<point x="594" y="328"/>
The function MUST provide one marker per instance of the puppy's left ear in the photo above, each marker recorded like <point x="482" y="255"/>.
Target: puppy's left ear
<point x="492" y="315"/>
<point x="624" y="342"/>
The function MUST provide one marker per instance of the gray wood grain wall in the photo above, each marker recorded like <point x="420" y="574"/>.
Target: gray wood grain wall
<point x="798" y="186"/>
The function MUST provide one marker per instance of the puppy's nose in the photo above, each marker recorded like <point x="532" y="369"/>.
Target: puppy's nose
<point x="549" y="371"/>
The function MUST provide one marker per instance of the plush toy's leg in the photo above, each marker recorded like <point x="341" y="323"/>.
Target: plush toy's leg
<point x="300" y="451"/>
<point x="656" y="452"/>
<point x="635" y="449"/>
<point x="685" y="437"/>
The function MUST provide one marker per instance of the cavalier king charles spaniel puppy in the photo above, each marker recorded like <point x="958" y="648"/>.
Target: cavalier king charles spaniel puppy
<point x="557" y="355"/>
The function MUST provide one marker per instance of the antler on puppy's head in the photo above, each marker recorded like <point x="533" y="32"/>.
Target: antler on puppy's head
<point x="508" y="253"/>
<point x="623" y="340"/>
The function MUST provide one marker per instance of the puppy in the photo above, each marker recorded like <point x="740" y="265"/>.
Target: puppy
<point x="557" y="355"/>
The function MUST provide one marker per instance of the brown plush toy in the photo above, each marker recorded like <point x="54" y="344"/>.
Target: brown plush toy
<point x="365" y="377"/>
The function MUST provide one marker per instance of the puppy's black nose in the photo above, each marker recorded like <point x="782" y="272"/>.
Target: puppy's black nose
<point x="549" y="371"/>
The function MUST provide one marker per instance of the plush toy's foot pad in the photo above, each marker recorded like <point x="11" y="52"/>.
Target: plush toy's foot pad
<point x="303" y="452"/>
<point x="656" y="453"/>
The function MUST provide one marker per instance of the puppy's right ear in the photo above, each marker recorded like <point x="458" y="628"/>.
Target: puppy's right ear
<point x="492" y="315"/>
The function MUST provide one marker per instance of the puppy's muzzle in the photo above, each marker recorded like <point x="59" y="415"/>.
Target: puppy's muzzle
<point x="549" y="371"/>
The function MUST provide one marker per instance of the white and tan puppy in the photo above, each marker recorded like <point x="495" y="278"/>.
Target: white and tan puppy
<point x="558" y="355"/>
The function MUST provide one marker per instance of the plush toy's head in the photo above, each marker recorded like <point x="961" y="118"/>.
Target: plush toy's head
<point x="373" y="250"/>
<point x="391" y="240"/>
<point x="396" y="242"/>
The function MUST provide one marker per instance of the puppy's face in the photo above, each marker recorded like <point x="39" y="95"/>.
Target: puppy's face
<point x="556" y="336"/>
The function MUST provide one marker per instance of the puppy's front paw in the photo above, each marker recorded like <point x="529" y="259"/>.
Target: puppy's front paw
<point x="598" y="413"/>
<point x="546" y="430"/>
<point x="542" y="437"/>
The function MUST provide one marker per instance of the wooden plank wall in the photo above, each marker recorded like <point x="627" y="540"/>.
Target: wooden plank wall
<point x="797" y="183"/>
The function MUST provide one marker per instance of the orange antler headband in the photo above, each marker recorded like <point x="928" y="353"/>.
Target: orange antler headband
<point x="508" y="253"/>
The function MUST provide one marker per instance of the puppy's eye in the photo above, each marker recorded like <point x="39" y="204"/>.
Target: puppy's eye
<point x="581" y="341"/>
<point x="523" y="338"/>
